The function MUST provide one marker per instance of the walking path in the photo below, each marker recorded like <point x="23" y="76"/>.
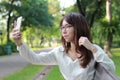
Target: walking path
<point x="42" y="75"/>
<point x="14" y="62"/>
<point x="10" y="64"/>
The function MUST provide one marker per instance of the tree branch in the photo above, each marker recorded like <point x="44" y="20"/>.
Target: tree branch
<point x="95" y="12"/>
<point x="8" y="21"/>
<point x="80" y="8"/>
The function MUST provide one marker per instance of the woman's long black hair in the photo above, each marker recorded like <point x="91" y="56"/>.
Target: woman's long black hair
<point x="81" y="29"/>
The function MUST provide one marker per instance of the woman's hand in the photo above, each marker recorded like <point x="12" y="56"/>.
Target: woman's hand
<point x="86" y="43"/>
<point x="16" y="35"/>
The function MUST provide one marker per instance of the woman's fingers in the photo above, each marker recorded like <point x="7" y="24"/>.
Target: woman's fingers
<point x="85" y="42"/>
<point x="82" y="41"/>
<point x="16" y="34"/>
<point x="15" y="23"/>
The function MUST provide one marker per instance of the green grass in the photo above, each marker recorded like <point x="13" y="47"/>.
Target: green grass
<point x="55" y="74"/>
<point x="116" y="51"/>
<point x="27" y="73"/>
<point x="116" y="60"/>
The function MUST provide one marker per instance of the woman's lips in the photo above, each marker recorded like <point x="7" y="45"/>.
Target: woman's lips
<point x="65" y="36"/>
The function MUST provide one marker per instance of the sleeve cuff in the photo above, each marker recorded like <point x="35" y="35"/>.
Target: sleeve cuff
<point x="21" y="46"/>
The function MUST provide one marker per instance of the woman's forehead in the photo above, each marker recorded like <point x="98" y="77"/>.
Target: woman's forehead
<point x="64" y="22"/>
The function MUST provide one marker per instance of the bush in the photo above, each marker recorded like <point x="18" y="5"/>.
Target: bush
<point x="2" y="52"/>
<point x="13" y="46"/>
<point x="8" y="48"/>
<point x="116" y="44"/>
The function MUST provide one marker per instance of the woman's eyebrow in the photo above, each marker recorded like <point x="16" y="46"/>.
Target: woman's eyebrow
<point x="66" y="24"/>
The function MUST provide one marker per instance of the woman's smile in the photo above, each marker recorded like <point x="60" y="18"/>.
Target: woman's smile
<point x="65" y="36"/>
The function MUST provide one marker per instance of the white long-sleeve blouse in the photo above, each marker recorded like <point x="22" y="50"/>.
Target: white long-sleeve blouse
<point x="71" y="70"/>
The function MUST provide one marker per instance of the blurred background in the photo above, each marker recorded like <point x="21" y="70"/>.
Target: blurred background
<point x="41" y="18"/>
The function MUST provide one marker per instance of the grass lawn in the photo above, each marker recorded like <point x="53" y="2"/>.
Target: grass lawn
<point x="116" y="60"/>
<point x="27" y="73"/>
<point x="55" y="74"/>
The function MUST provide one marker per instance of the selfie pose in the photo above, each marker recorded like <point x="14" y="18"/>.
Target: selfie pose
<point x="77" y="55"/>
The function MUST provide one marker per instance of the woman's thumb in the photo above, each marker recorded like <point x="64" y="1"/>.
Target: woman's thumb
<point x="15" y="23"/>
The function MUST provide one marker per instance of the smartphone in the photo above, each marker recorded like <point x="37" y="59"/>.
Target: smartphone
<point x="19" y="19"/>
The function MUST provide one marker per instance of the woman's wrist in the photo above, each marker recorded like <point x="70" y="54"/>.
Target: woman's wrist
<point x="19" y="43"/>
<point x="94" y="49"/>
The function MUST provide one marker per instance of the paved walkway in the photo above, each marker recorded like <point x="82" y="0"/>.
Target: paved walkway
<point x="13" y="63"/>
<point x="10" y="64"/>
<point x="42" y="75"/>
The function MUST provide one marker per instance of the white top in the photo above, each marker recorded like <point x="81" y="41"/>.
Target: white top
<point x="71" y="70"/>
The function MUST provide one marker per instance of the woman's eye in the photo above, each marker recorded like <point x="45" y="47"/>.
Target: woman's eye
<point x="68" y="26"/>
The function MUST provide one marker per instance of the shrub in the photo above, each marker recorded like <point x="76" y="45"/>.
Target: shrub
<point x="2" y="52"/>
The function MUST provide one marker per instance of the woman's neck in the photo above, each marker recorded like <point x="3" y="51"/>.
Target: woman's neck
<point x="72" y="52"/>
<point x="72" y="47"/>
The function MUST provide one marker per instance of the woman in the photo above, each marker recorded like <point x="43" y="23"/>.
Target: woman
<point x="78" y="54"/>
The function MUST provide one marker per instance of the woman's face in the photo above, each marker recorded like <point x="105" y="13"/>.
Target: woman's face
<point x="67" y="31"/>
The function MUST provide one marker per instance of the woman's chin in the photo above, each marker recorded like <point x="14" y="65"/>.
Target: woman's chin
<point x="67" y="40"/>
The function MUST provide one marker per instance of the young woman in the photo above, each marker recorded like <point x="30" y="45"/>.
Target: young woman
<point x="77" y="55"/>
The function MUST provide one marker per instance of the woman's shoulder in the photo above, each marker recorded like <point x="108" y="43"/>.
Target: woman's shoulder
<point x="59" y="48"/>
<point x="100" y="50"/>
<point x="58" y="51"/>
<point x="98" y="46"/>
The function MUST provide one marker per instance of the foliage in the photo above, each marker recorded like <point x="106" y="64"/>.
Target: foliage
<point x="91" y="9"/>
<point x="8" y="48"/>
<point x="116" y="59"/>
<point x="13" y="46"/>
<point x="2" y="52"/>
<point x="38" y="37"/>
<point x="73" y="8"/>
<point x="48" y="35"/>
<point x="102" y="29"/>
<point x="35" y="14"/>
<point x="116" y="16"/>
<point x="53" y="6"/>
<point x="109" y="28"/>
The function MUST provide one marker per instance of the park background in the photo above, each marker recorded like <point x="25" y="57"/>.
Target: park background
<point x="40" y="25"/>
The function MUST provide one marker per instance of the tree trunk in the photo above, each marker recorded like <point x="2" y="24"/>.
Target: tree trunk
<point x="98" y="5"/>
<point x="31" y="42"/>
<point x="109" y="10"/>
<point x="107" y="45"/>
<point x="42" y="40"/>
<point x="8" y="22"/>
<point x="8" y="28"/>
<point x="109" y="37"/>
<point x="83" y="11"/>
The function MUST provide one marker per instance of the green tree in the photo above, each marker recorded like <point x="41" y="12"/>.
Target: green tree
<point x="94" y="10"/>
<point x="7" y="9"/>
<point x="34" y="12"/>
<point x="108" y="27"/>
<point x="44" y="34"/>
<point x="111" y="27"/>
<point x="109" y="36"/>
<point x="90" y="9"/>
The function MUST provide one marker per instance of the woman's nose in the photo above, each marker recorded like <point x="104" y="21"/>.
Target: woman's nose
<point x="64" y="31"/>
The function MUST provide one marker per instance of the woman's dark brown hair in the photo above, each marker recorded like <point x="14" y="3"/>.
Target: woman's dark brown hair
<point x="81" y="29"/>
